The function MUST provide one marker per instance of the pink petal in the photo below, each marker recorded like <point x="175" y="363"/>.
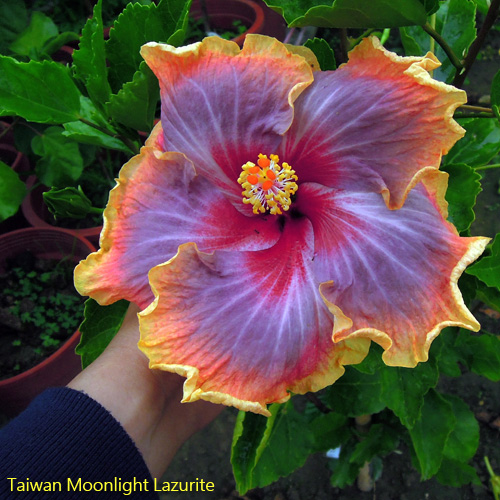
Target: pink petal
<point x="378" y="123"/>
<point x="158" y="204"/>
<point x="389" y="275"/>
<point x="244" y="327"/>
<point x="222" y="106"/>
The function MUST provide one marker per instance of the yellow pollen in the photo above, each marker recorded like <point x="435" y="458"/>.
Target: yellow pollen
<point x="268" y="187"/>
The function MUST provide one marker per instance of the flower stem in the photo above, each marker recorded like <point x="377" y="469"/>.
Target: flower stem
<point x="130" y="144"/>
<point x="489" y="20"/>
<point x="444" y="45"/>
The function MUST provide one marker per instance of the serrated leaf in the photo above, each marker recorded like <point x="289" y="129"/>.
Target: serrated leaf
<point x="137" y="25"/>
<point x="455" y="22"/>
<point x="323" y="52"/>
<point x="404" y="389"/>
<point x="12" y="191"/>
<point x="135" y="104"/>
<point x="89" y="61"/>
<point x="40" y="92"/>
<point x="430" y="433"/>
<point x="100" y="325"/>
<point x="463" y="187"/>
<point x="61" y="162"/>
<point x="350" y="13"/>
<point x="488" y="268"/>
<point x="31" y="41"/>
<point x="480" y="144"/>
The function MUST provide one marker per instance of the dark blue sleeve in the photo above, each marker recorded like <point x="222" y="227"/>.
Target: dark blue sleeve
<point x="65" y="443"/>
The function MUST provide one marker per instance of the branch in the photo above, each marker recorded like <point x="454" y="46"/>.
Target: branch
<point x="444" y="45"/>
<point x="489" y="20"/>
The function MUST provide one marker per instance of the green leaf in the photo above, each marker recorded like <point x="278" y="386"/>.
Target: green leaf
<point x="404" y="389"/>
<point x="490" y="296"/>
<point x="12" y="191"/>
<point x="379" y="441"/>
<point x="344" y="472"/>
<point x="487" y="269"/>
<point x="457" y="474"/>
<point x="89" y="61"/>
<point x="251" y="434"/>
<point x="463" y="441"/>
<point x="86" y="134"/>
<point x="137" y="25"/>
<point x="483" y="5"/>
<point x="100" y="325"/>
<point x="480" y="144"/>
<point x="31" y="41"/>
<point x="356" y="393"/>
<point x="40" y="92"/>
<point x="455" y="22"/>
<point x="61" y="162"/>
<point x="460" y="447"/>
<point x="443" y="348"/>
<point x="289" y="444"/>
<point x="135" y="104"/>
<point x="350" y="13"/>
<point x="68" y="202"/>
<point x="430" y="433"/>
<point x="54" y="44"/>
<point x="463" y="187"/>
<point x="329" y="430"/>
<point x="480" y="353"/>
<point x="323" y="52"/>
<point x="13" y="21"/>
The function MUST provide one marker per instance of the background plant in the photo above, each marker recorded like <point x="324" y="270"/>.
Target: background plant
<point x="108" y="93"/>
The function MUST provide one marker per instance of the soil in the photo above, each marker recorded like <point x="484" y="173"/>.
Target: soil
<point x="37" y="307"/>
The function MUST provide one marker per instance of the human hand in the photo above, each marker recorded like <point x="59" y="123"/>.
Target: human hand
<point x="146" y="402"/>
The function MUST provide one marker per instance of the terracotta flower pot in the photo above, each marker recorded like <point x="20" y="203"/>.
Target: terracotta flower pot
<point x="37" y="214"/>
<point x="223" y="14"/>
<point x="59" y="368"/>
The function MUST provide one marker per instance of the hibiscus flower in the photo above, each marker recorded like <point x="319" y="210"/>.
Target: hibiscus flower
<point x="280" y="218"/>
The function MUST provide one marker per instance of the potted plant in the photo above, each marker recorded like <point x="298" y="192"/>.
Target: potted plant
<point x="38" y="312"/>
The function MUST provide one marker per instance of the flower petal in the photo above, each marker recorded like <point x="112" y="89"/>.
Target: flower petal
<point x="244" y="327"/>
<point x="389" y="275"/>
<point x="158" y="204"/>
<point x="378" y="123"/>
<point x="222" y="106"/>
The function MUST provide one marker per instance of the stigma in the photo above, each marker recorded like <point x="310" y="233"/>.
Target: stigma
<point x="268" y="186"/>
